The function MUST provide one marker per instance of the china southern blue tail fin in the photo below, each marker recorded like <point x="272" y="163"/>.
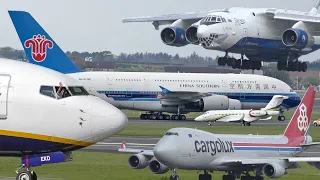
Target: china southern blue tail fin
<point x="39" y="47"/>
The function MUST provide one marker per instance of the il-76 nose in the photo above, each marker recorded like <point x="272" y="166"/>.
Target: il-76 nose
<point x="203" y="31"/>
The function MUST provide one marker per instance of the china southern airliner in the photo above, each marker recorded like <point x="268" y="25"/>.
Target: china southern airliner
<point x="177" y="93"/>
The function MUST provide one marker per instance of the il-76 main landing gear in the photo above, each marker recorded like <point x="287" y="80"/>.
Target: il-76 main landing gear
<point x="239" y="63"/>
<point x="292" y="66"/>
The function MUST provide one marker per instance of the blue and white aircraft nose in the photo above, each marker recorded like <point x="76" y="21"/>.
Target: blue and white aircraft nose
<point x="203" y="31"/>
<point x="107" y="120"/>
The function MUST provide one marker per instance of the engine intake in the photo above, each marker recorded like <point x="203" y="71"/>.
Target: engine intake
<point x="138" y="161"/>
<point x="157" y="168"/>
<point x="191" y="34"/>
<point x="174" y="36"/>
<point x="297" y="38"/>
<point x="273" y="170"/>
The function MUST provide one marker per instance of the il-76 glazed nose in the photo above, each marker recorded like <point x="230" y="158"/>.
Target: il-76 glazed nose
<point x="107" y="120"/>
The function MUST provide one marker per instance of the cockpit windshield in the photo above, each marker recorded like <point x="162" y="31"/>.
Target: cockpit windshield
<point x="171" y="133"/>
<point x="212" y="19"/>
<point x="59" y="92"/>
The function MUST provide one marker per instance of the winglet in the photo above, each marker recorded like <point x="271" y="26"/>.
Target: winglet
<point x="123" y="145"/>
<point x="315" y="8"/>
<point x="165" y="91"/>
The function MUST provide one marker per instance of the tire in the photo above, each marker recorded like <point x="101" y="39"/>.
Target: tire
<point x="153" y="117"/>
<point x="182" y="117"/>
<point x="160" y="117"/>
<point x="24" y="175"/>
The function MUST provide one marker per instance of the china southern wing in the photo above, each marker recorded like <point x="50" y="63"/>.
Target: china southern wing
<point x="168" y="96"/>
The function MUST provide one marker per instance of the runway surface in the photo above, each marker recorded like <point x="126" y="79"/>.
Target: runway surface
<point x="112" y="145"/>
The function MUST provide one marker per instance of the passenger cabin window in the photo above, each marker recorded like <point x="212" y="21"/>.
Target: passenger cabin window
<point x="171" y="133"/>
<point x="47" y="91"/>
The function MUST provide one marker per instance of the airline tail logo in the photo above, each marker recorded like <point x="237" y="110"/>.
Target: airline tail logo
<point x="38" y="45"/>
<point x="303" y="118"/>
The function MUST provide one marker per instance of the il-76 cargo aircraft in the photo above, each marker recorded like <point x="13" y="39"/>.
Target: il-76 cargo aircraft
<point x="268" y="155"/>
<point x="42" y="125"/>
<point x="177" y="93"/>
<point x="244" y="116"/>
<point x="260" y="34"/>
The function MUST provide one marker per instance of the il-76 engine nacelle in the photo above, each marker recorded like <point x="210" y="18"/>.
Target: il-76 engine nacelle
<point x="174" y="36"/>
<point x="297" y="38"/>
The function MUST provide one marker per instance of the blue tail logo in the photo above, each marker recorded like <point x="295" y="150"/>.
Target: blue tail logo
<point x="39" y="47"/>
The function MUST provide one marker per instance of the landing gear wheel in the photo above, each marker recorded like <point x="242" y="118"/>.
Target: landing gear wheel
<point x="174" y="178"/>
<point x="167" y="117"/>
<point x="281" y="118"/>
<point x="248" y="124"/>
<point x="160" y="117"/>
<point x="182" y="117"/>
<point x="24" y="175"/>
<point x="153" y="117"/>
<point x="258" y="178"/>
<point x="209" y="124"/>
<point x="175" y="117"/>
<point x="315" y="124"/>
<point x="304" y="67"/>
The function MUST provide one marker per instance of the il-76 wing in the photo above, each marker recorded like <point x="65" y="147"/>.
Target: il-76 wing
<point x="170" y="18"/>
<point x="311" y="20"/>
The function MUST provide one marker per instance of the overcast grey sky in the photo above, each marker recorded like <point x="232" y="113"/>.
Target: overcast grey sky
<point x="96" y="25"/>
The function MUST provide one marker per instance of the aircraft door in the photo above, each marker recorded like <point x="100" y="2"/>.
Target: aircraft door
<point x="4" y="89"/>
<point x="243" y="40"/>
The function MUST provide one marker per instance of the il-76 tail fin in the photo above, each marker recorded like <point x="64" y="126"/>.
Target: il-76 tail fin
<point x="275" y="102"/>
<point x="300" y="121"/>
<point x="39" y="47"/>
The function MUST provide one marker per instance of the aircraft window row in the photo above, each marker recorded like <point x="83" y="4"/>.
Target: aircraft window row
<point x="211" y="19"/>
<point x="172" y="133"/>
<point x="244" y="81"/>
<point x="59" y="92"/>
<point x="181" y="80"/>
<point x="128" y="80"/>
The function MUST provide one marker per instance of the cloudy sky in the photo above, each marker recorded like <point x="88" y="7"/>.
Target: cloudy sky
<point x="96" y="25"/>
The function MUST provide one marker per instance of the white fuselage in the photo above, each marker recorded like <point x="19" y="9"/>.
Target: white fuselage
<point x="141" y="90"/>
<point x="32" y="114"/>
<point x="206" y="151"/>
<point x="249" y="31"/>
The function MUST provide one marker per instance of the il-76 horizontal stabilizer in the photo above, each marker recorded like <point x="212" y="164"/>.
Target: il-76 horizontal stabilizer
<point x="145" y="152"/>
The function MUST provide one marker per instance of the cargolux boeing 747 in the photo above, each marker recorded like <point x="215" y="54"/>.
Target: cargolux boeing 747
<point x="177" y="93"/>
<point x="238" y="155"/>
<point x="260" y="34"/>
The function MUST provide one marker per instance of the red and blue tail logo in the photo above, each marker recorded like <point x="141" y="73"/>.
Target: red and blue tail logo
<point x="39" y="45"/>
<point x="300" y="121"/>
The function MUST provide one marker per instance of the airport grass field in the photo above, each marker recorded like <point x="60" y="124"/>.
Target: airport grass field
<point x="104" y="166"/>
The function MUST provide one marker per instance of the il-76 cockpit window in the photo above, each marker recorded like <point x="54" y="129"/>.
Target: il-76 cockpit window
<point x="172" y="133"/>
<point x="212" y="19"/>
<point x="59" y="92"/>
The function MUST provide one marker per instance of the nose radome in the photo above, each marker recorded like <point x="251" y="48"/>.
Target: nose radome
<point x="203" y="31"/>
<point x="199" y="118"/>
<point x="165" y="152"/>
<point x="107" y="120"/>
